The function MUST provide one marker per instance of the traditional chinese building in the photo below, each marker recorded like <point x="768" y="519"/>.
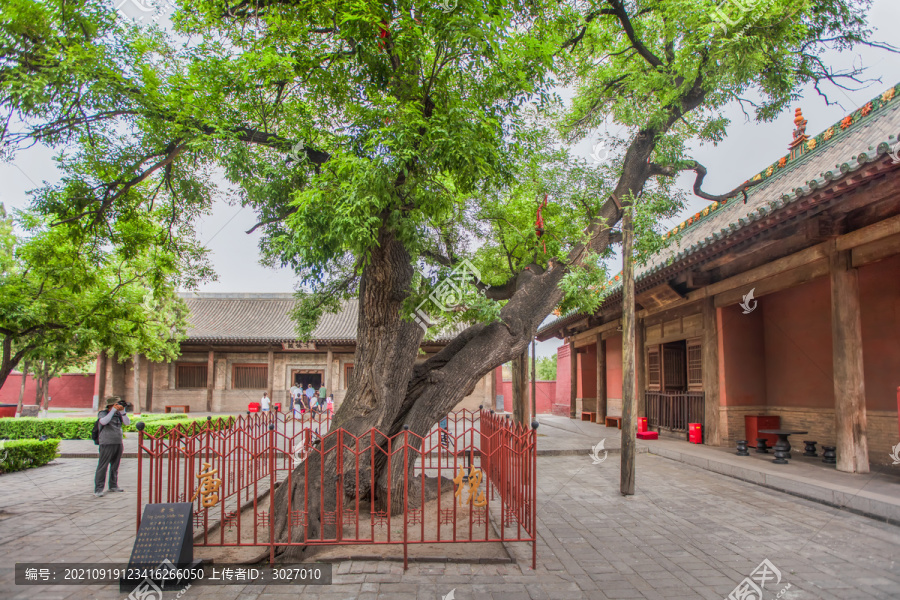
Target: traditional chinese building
<point x="785" y="305"/>
<point x="241" y="345"/>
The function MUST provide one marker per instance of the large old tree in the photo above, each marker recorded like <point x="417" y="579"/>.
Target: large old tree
<point x="382" y="144"/>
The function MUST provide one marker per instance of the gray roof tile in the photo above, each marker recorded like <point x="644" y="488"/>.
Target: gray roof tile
<point x="260" y="317"/>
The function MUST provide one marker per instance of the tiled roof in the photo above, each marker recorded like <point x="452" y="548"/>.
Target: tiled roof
<point x="260" y="317"/>
<point x="862" y="137"/>
<point x="255" y="318"/>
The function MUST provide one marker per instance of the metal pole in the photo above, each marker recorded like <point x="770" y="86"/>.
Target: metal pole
<point x="534" y="378"/>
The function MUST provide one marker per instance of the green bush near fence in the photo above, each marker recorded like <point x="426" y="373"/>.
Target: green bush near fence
<point x="17" y="455"/>
<point x="75" y="428"/>
<point x="162" y="425"/>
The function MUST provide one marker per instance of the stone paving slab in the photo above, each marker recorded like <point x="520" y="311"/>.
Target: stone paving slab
<point x="687" y="533"/>
<point x="875" y="494"/>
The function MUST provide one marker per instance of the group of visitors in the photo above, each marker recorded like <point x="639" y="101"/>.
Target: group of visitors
<point x="317" y="402"/>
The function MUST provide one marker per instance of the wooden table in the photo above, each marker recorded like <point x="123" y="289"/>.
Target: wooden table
<point x="783" y="446"/>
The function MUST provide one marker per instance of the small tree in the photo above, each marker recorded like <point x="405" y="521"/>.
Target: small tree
<point x="546" y="368"/>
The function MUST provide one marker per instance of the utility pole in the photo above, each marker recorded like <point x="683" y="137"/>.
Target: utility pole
<point x="629" y="400"/>
<point x="533" y="378"/>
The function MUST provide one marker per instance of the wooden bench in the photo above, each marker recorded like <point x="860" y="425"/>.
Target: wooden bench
<point x="185" y="408"/>
<point x="588" y="416"/>
<point x="610" y="421"/>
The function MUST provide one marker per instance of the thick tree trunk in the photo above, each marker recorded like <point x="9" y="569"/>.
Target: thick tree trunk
<point x="45" y="390"/>
<point x="136" y="381"/>
<point x="101" y="386"/>
<point x="388" y="391"/>
<point x="22" y="389"/>
<point x="39" y="383"/>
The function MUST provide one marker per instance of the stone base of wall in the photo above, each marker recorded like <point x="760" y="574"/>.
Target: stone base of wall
<point x="614" y="407"/>
<point x="819" y="422"/>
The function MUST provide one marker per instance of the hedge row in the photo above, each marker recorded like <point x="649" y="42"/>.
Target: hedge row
<point x="17" y="455"/>
<point x="71" y="428"/>
<point x="219" y="423"/>
<point x="33" y="427"/>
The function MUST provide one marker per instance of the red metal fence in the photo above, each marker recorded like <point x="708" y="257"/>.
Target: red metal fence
<point x="479" y="470"/>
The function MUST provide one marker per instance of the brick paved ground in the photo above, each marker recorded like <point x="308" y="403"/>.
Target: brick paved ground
<point x="688" y="533"/>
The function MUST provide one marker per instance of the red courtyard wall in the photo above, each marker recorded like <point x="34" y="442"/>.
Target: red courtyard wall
<point x="797" y="334"/>
<point x="879" y="294"/>
<point x="66" y="391"/>
<point x="743" y="356"/>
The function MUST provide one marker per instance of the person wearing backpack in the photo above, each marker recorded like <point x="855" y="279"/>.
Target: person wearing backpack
<point x="109" y="438"/>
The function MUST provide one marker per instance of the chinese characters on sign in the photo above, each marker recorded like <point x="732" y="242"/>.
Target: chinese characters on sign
<point x="476" y="496"/>
<point x="298" y="346"/>
<point x="209" y="487"/>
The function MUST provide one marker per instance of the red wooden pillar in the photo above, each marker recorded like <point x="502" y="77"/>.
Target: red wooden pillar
<point x="849" y="385"/>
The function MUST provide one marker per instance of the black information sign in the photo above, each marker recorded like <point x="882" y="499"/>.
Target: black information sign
<point x="164" y="541"/>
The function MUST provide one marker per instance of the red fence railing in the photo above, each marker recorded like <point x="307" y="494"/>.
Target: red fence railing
<point x="470" y="479"/>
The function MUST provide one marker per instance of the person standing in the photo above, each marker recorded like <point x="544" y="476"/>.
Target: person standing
<point x="294" y="391"/>
<point x="310" y="394"/>
<point x="111" y="421"/>
<point x="264" y="402"/>
<point x="322" y="397"/>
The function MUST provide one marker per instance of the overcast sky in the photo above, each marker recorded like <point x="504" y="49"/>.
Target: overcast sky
<point x="749" y="148"/>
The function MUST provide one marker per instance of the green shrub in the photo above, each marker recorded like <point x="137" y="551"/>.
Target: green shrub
<point x="156" y="427"/>
<point x="80" y="428"/>
<point x="154" y="418"/>
<point x="17" y="455"/>
<point x="33" y="428"/>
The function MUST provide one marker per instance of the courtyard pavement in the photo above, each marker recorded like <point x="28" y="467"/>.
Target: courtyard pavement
<point x="686" y="533"/>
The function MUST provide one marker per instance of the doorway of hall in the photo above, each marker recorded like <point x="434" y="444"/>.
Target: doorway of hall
<point x="304" y="377"/>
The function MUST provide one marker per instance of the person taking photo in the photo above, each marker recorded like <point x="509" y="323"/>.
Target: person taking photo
<point x="111" y="421"/>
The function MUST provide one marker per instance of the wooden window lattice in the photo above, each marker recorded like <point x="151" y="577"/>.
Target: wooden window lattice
<point x="250" y="377"/>
<point x="674" y="372"/>
<point x="695" y="367"/>
<point x="653" y="371"/>
<point x="190" y="376"/>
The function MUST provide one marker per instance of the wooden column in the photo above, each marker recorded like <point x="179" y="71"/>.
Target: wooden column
<point x="148" y="399"/>
<point x="136" y="381"/>
<point x="573" y="377"/>
<point x="601" y="380"/>
<point x="271" y="372"/>
<point x="849" y="384"/>
<point x="709" y="348"/>
<point x="640" y="369"/>
<point x="329" y="358"/>
<point x="210" y="380"/>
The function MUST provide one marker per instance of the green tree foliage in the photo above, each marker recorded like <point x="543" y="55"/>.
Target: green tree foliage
<point x="546" y="368"/>
<point x="63" y="297"/>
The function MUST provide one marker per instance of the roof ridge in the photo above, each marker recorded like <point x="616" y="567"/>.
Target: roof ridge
<point x="813" y="146"/>
<point x="237" y="295"/>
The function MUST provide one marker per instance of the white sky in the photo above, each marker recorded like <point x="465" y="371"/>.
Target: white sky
<point x="749" y="148"/>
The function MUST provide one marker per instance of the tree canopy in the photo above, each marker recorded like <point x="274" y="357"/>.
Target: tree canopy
<point x="62" y="301"/>
<point x="383" y="144"/>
